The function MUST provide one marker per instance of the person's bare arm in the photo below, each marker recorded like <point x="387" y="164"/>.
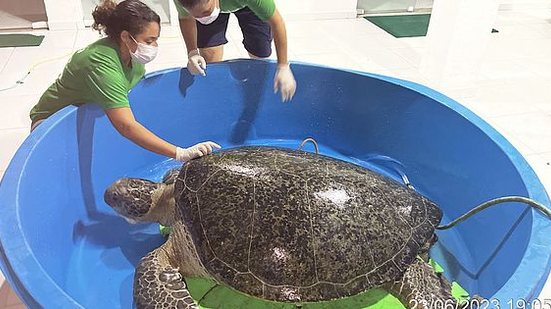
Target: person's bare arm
<point x="280" y="37"/>
<point x="196" y="63"/>
<point x="123" y="120"/>
<point x="188" y="27"/>
<point x="284" y="80"/>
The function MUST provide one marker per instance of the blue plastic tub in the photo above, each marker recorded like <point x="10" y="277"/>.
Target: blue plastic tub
<point x="62" y="247"/>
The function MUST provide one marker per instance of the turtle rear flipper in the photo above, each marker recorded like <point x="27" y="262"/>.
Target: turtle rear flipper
<point x="157" y="284"/>
<point x="421" y="287"/>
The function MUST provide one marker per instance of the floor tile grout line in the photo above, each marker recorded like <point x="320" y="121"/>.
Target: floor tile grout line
<point x="75" y="39"/>
<point x="2" y="129"/>
<point x="542" y="153"/>
<point x="538" y="112"/>
<point x="8" y="60"/>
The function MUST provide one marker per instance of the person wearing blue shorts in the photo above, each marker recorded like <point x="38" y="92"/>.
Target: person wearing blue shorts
<point x="204" y="23"/>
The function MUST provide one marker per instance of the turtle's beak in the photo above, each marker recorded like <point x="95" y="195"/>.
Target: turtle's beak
<point x="114" y="196"/>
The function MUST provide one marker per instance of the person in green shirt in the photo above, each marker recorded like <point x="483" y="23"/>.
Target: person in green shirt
<point x="203" y="24"/>
<point x="105" y="71"/>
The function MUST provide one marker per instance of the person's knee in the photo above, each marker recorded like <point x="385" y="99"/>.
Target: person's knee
<point x="253" y="56"/>
<point x="36" y="123"/>
<point x="212" y="54"/>
<point x="259" y="50"/>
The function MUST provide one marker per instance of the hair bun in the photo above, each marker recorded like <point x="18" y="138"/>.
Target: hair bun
<point x="102" y="14"/>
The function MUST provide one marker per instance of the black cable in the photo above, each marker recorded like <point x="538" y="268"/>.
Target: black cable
<point x="493" y="202"/>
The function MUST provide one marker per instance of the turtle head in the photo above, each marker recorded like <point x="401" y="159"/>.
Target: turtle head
<point x="139" y="200"/>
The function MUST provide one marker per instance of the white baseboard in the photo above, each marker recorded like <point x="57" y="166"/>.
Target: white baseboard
<point x="39" y="25"/>
<point x="88" y="22"/>
<point x="320" y="15"/>
<point x="416" y="12"/>
<point x="65" y="25"/>
<point x="541" y="5"/>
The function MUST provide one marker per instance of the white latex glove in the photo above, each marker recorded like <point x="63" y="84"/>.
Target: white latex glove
<point x="284" y="81"/>
<point x="196" y="64"/>
<point x="195" y="151"/>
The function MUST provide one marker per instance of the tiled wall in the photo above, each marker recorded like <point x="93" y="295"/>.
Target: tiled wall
<point x="424" y="4"/>
<point x="524" y="4"/>
<point x="28" y="7"/>
<point x="21" y="14"/>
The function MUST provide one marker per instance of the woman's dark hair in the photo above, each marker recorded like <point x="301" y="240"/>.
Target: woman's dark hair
<point x="190" y="3"/>
<point x="129" y="15"/>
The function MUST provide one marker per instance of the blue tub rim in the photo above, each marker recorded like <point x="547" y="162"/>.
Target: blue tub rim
<point x="33" y="283"/>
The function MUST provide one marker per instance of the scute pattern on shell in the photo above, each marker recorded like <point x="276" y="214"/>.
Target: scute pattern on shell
<point x="293" y="226"/>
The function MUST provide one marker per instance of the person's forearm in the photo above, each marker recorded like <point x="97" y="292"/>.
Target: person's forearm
<point x="280" y="38"/>
<point x="140" y="135"/>
<point x="188" y="27"/>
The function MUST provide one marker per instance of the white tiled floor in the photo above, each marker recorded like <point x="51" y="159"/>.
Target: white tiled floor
<point x="511" y="91"/>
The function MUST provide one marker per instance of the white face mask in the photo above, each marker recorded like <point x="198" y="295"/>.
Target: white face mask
<point x="144" y="53"/>
<point x="211" y="18"/>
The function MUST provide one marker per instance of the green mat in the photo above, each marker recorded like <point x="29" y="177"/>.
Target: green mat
<point x="402" y="26"/>
<point x="20" y="39"/>
<point x="209" y="295"/>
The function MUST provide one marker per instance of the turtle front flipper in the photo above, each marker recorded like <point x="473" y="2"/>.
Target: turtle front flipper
<point x="157" y="284"/>
<point x="421" y="287"/>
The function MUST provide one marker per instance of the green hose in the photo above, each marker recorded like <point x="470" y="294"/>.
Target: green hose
<point x="493" y="202"/>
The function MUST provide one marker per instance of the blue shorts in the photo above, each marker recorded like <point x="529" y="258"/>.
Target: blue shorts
<point x="257" y="34"/>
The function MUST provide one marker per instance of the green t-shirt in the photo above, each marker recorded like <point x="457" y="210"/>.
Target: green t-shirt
<point x="94" y="74"/>
<point x="264" y="9"/>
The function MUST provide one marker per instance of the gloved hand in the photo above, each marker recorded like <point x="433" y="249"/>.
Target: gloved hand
<point x="284" y="81"/>
<point x="196" y="64"/>
<point x="195" y="151"/>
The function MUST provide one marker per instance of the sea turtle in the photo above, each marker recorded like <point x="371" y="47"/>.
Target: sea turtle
<point x="283" y="225"/>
